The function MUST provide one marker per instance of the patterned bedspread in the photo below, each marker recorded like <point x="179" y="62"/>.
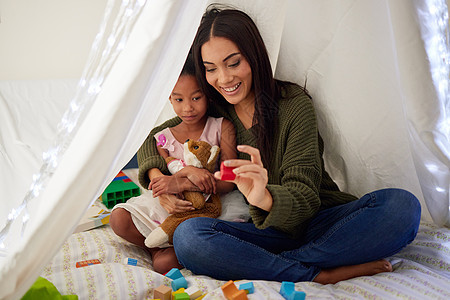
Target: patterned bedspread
<point x="421" y="271"/>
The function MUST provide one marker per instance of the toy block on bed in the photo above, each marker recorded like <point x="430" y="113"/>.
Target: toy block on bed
<point x="288" y="291"/>
<point x="247" y="287"/>
<point x="163" y="293"/>
<point x="231" y="292"/>
<point x="178" y="280"/>
<point x="86" y="263"/>
<point x="94" y="217"/>
<point x="119" y="190"/>
<point x="193" y="292"/>
<point x="181" y="296"/>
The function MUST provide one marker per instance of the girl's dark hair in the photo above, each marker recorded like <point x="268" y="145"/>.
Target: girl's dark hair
<point x="189" y="66"/>
<point x="239" y="28"/>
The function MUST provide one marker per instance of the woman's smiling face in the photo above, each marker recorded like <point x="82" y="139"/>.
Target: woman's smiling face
<point x="228" y="71"/>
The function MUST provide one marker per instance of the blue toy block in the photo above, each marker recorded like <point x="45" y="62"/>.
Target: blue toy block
<point x="179" y="283"/>
<point x="174" y="274"/>
<point x="248" y="286"/>
<point x="288" y="291"/>
<point x="297" y="295"/>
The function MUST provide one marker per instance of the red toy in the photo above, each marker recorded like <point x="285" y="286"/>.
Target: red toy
<point x="226" y="173"/>
<point x="86" y="263"/>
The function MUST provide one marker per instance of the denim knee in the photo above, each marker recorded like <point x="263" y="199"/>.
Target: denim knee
<point x="405" y="208"/>
<point x="186" y="238"/>
<point x="406" y="203"/>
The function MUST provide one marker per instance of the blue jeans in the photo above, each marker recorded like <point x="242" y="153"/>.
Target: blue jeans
<point x="376" y="226"/>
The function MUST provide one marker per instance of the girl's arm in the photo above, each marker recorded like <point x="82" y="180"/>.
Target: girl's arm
<point x="171" y="203"/>
<point x="204" y="181"/>
<point x="167" y="184"/>
<point x="163" y="152"/>
<point x="148" y="156"/>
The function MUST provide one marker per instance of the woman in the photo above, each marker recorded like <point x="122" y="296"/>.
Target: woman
<point x="303" y="228"/>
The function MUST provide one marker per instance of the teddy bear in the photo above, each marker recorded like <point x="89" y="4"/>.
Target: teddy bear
<point x="199" y="154"/>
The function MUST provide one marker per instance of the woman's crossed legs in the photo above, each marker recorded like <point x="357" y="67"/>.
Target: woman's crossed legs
<point x="339" y="243"/>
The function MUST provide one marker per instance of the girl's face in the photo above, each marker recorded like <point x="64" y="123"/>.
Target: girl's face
<point x="228" y="71"/>
<point x="188" y="101"/>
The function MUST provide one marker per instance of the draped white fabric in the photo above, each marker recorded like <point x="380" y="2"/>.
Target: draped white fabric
<point x="381" y="113"/>
<point x="127" y="107"/>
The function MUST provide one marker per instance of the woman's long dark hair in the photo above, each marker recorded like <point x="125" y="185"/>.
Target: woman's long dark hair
<point x="239" y="28"/>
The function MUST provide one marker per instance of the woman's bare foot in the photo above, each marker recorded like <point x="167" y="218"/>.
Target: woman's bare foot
<point x="335" y="275"/>
<point x="164" y="259"/>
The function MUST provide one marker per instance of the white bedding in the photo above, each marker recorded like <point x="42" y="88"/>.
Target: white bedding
<point x="421" y="271"/>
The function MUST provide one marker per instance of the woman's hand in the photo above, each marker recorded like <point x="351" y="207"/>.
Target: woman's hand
<point x="251" y="178"/>
<point x="201" y="178"/>
<point x="174" y="205"/>
<point x="166" y="185"/>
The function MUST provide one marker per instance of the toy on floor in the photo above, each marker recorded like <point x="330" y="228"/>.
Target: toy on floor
<point x="86" y="263"/>
<point x="247" y="287"/>
<point x="119" y="191"/>
<point x="193" y="292"/>
<point x="163" y="293"/>
<point x="180" y="294"/>
<point x="94" y="217"/>
<point x="288" y="291"/>
<point x="199" y="154"/>
<point x="231" y="292"/>
<point x="178" y="280"/>
<point x="130" y="261"/>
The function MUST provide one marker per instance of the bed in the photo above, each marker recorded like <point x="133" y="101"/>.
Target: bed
<point x="421" y="271"/>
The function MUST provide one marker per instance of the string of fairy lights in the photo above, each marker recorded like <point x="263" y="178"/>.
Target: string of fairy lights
<point x="108" y="44"/>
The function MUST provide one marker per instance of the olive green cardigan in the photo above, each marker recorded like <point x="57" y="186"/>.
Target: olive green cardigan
<point x="298" y="182"/>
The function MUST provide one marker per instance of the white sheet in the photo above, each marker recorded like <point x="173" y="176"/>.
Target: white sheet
<point x="30" y="111"/>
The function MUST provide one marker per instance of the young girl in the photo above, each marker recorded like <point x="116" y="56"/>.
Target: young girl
<point x="136" y="218"/>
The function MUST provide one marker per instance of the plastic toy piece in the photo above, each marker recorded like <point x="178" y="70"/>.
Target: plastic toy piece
<point x="86" y="263"/>
<point x="179" y="291"/>
<point x="130" y="261"/>
<point x="93" y="217"/>
<point x="178" y="281"/>
<point x="181" y="296"/>
<point x="248" y="287"/>
<point x="231" y="292"/>
<point x="174" y="273"/>
<point x="193" y="292"/>
<point x="240" y="295"/>
<point x="119" y="190"/>
<point x="226" y="173"/>
<point x="162" y="292"/>
<point x="288" y="291"/>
